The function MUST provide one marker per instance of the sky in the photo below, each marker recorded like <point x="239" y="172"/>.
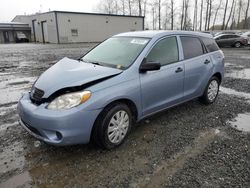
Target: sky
<point x="10" y="8"/>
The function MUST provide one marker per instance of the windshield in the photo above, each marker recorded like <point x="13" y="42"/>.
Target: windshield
<point x="117" y="52"/>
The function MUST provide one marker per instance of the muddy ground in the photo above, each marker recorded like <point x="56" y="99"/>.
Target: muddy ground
<point x="190" y="145"/>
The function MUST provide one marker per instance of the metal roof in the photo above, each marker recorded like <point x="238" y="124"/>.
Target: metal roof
<point x="83" y="13"/>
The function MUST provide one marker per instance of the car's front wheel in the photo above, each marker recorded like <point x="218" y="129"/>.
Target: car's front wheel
<point x="112" y="126"/>
<point x="211" y="92"/>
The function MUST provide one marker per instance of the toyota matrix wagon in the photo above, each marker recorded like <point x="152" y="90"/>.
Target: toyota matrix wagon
<point x="124" y="79"/>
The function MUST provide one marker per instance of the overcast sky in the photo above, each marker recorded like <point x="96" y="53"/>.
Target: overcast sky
<point x="10" y="8"/>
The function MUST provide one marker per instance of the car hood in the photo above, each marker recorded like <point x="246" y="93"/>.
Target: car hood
<point x="70" y="73"/>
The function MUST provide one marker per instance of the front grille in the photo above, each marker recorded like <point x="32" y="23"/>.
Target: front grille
<point x="36" y="95"/>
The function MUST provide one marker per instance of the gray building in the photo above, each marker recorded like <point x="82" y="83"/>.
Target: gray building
<point x="14" y="32"/>
<point x="73" y="27"/>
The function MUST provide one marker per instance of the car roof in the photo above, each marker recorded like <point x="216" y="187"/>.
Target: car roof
<point x="226" y="34"/>
<point x="161" y="33"/>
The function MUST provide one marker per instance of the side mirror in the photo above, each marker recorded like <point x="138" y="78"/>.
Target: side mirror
<point x="149" y="66"/>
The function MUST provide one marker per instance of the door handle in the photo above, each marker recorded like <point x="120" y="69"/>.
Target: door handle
<point x="179" y="69"/>
<point x="206" y="62"/>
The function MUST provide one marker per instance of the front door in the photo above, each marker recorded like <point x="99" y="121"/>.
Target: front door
<point x="163" y="88"/>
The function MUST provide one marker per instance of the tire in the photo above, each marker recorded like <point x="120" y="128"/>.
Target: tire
<point x="237" y="45"/>
<point x="102" y="131"/>
<point x="210" y="94"/>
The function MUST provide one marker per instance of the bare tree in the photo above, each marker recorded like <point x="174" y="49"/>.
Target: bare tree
<point x="224" y="17"/>
<point x="145" y="8"/>
<point x="230" y="14"/>
<point x="159" y="14"/>
<point x="186" y="14"/>
<point x="195" y="15"/>
<point x="108" y="6"/>
<point x="233" y="18"/>
<point x="246" y="15"/>
<point x="201" y="14"/>
<point x="207" y="12"/>
<point x="182" y="13"/>
<point x="153" y="16"/>
<point x="139" y="7"/>
<point x="216" y="13"/>
<point x="172" y="13"/>
<point x="239" y="13"/>
<point x="130" y="7"/>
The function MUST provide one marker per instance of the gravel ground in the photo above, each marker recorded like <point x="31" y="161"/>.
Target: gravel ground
<point x="190" y="145"/>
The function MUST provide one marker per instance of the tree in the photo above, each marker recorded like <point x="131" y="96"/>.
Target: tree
<point x="145" y="8"/>
<point x="130" y="7"/>
<point x="195" y="15"/>
<point x="182" y="13"/>
<point x="230" y="14"/>
<point x="201" y="14"/>
<point x="172" y="13"/>
<point x="206" y="19"/>
<point x="186" y="19"/>
<point x="216" y="13"/>
<point x="239" y="13"/>
<point x="209" y="13"/>
<point x="159" y="14"/>
<point x="224" y="17"/>
<point x="246" y="15"/>
<point x="140" y="7"/>
<point x="233" y="18"/>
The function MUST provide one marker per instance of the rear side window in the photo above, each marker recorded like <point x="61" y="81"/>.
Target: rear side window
<point x="210" y="44"/>
<point x="192" y="47"/>
<point x="164" y="52"/>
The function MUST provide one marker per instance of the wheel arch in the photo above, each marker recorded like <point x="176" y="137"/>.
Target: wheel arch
<point x="218" y="75"/>
<point x="131" y="105"/>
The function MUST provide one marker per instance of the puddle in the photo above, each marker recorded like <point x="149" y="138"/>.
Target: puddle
<point x="236" y="93"/>
<point x="240" y="74"/>
<point x="18" y="181"/>
<point x="241" y="122"/>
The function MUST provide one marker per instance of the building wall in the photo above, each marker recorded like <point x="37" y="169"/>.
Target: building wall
<point x="85" y="27"/>
<point x="94" y="28"/>
<point x="36" y="32"/>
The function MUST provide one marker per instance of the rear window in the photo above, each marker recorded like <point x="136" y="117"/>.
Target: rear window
<point x="210" y="44"/>
<point x="192" y="47"/>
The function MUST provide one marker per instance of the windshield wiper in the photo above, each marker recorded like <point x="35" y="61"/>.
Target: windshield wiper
<point x="92" y="62"/>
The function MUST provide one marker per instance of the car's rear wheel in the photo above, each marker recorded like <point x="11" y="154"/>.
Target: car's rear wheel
<point x="112" y="126"/>
<point x="211" y="92"/>
<point x="237" y="44"/>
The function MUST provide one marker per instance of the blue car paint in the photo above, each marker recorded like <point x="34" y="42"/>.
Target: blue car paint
<point x="151" y="92"/>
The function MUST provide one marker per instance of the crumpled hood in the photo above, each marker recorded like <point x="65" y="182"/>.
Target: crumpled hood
<point x="69" y="73"/>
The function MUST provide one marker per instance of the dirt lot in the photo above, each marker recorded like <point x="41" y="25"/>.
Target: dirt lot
<point x="190" y="145"/>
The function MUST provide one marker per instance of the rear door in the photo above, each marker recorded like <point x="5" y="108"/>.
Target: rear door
<point x="197" y="64"/>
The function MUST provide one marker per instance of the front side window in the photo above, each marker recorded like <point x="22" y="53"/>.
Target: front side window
<point x="192" y="47"/>
<point x="164" y="52"/>
<point x="117" y="52"/>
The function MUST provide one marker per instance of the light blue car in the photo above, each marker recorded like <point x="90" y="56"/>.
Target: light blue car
<point x="119" y="82"/>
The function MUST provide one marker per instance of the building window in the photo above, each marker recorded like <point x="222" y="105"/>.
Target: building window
<point x="74" y="32"/>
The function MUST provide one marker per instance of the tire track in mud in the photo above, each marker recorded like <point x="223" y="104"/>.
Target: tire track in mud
<point x="168" y="168"/>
